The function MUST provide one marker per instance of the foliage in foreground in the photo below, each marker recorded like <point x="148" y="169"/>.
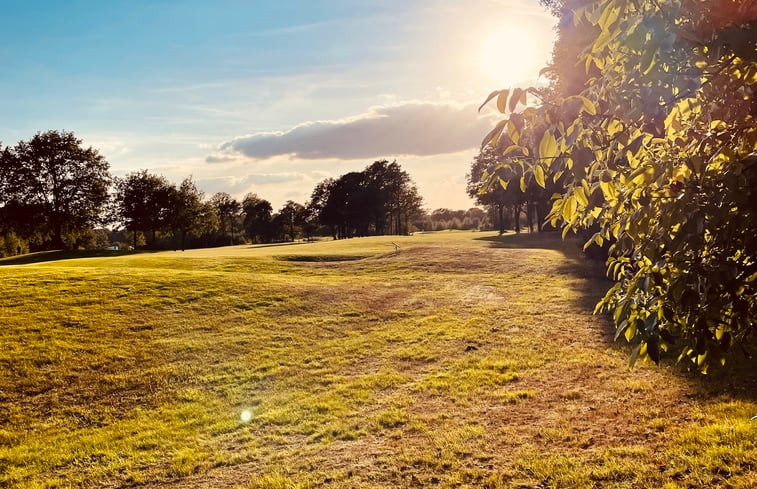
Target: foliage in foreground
<point x="658" y="153"/>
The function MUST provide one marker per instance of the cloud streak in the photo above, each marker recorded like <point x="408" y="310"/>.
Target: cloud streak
<point x="409" y="128"/>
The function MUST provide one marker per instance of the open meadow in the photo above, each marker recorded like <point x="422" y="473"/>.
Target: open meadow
<point x="463" y="359"/>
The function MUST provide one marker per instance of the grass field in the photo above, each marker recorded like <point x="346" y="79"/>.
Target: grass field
<point x="461" y="360"/>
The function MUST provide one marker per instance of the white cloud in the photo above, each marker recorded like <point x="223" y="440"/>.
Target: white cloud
<point x="409" y="128"/>
<point x="239" y="184"/>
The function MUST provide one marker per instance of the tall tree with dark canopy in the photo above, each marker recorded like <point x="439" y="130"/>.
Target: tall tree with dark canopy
<point x="228" y="210"/>
<point x="64" y="183"/>
<point x="498" y="195"/>
<point x="142" y="202"/>
<point x="187" y="214"/>
<point x="257" y="218"/>
<point x="292" y="217"/>
<point x="380" y="199"/>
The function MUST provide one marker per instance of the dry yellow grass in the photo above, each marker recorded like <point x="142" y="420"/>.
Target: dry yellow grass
<point x="463" y="360"/>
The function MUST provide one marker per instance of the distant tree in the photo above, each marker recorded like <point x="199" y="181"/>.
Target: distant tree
<point x="411" y="204"/>
<point x="292" y="217"/>
<point x="142" y="203"/>
<point x="401" y="197"/>
<point x="188" y="215"/>
<point x="380" y="199"/>
<point x="55" y="181"/>
<point x="319" y="207"/>
<point x="352" y="197"/>
<point x="227" y="209"/>
<point x="257" y="218"/>
<point x="477" y="217"/>
<point x="492" y="194"/>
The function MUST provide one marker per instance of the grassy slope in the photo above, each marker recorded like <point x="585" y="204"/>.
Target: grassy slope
<point x="463" y="360"/>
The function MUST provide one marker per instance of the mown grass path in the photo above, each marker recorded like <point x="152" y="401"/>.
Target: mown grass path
<point x="462" y="360"/>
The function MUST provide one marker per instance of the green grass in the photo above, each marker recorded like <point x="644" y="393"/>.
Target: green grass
<point x="461" y="360"/>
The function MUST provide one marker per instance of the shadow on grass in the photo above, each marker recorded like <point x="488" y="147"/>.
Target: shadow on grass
<point x="322" y="258"/>
<point x="58" y="255"/>
<point x="280" y="243"/>
<point x="736" y="378"/>
<point x="547" y="240"/>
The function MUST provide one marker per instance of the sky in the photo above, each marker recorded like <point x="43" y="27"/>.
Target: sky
<point x="270" y="97"/>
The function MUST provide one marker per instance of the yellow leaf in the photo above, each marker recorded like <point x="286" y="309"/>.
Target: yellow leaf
<point x="608" y="190"/>
<point x="548" y="147"/>
<point x="581" y="196"/>
<point x="614" y="127"/>
<point x="539" y="176"/>
<point x="569" y="208"/>
<point x="512" y="131"/>
<point x="510" y="149"/>
<point x="502" y="100"/>
<point x="588" y="105"/>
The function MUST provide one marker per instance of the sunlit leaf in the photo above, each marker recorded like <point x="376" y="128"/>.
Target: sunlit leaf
<point x="502" y="100"/>
<point x="548" y="147"/>
<point x="491" y="96"/>
<point x="539" y="176"/>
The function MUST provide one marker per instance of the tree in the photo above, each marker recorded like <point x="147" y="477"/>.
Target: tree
<point x="317" y="206"/>
<point x="228" y="210"/>
<point x="188" y="215"/>
<point x="293" y="217"/>
<point x="499" y="195"/>
<point x="56" y="182"/>
<point x="142" y="203"/>
<point x="257" y="218"/>
<point x="658" y="153"/>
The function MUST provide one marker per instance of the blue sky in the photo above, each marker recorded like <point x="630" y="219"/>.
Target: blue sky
<point x="269" y="97"/>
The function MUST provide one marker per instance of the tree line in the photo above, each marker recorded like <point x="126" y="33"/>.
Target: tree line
<point x="56" y="194"/>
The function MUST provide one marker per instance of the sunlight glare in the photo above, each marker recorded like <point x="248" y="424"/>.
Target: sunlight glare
<point x="508" y="57"/>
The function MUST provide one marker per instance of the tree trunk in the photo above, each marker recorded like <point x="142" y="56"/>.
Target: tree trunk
<point x="501" y="215"/>
<point x="58" y="236"/>
<point x="517" y="218"/>
<point x="529" y="216"/>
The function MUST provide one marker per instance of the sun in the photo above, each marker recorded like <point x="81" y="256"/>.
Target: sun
<point x="508" y="57"/>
